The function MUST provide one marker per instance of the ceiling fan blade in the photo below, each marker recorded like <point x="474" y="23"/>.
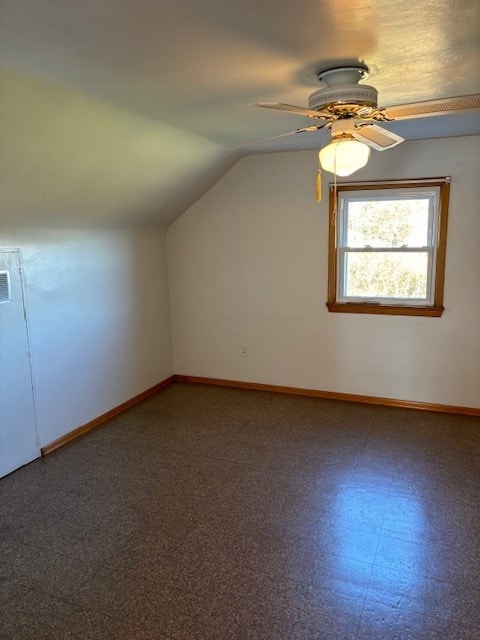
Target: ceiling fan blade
<point x="432" y="107"/>
<point x="377" y="137"/>
<point x="313" y="127"/>
<point x="281" y="106"/>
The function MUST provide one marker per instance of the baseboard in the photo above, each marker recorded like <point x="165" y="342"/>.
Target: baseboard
<point x="71" y="435"/>
<point x="240" y="384"/>
<point x="332" y="395"/>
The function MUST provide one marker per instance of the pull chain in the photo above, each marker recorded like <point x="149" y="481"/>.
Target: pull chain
<point x="318" y="186"/>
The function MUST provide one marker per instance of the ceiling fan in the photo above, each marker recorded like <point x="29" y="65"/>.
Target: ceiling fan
<point x="350" y="111"/>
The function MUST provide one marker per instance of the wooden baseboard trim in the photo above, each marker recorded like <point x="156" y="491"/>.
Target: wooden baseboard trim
<point x="332" y="395"/>
<point x="76" y="433"/>
<point x="240" y="384"/>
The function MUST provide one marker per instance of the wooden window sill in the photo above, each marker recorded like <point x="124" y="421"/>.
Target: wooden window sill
<point x="384" y="309"/>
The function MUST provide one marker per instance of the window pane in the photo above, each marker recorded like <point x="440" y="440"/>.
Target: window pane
<point x="387" y="222"/>
<point x="386" y="275"/>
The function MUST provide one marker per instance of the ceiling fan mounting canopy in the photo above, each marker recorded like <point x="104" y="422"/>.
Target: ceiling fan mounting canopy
<point x="343" y="75"/>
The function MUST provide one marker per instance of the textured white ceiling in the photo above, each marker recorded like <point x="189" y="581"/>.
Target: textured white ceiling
<point x="176" y="76"/>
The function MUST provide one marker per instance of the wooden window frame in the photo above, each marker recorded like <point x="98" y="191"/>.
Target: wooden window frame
<point x="434" y="310"/>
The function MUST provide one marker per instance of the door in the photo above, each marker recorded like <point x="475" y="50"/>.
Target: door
<point x="18" y="437"/>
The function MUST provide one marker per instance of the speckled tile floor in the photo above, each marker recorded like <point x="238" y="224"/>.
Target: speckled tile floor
<point x="219" y="514"/>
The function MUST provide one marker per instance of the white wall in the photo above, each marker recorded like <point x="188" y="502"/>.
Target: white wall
<point x="99" y="320"/>
<point x="248" y="265"/>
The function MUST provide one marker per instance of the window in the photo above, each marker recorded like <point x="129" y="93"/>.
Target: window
<point x="387" y="247"/>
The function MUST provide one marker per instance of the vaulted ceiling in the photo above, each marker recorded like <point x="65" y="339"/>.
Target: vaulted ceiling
<point x="121" y="111"/>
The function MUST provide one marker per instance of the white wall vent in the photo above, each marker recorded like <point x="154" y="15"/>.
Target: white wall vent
<point x="4" y="286"/>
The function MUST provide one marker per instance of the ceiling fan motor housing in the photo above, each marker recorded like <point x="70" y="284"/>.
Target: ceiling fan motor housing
<point x="352" y="94"/>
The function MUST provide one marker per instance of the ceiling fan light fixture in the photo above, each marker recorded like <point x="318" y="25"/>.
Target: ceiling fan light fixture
<point x="343" y="156"/>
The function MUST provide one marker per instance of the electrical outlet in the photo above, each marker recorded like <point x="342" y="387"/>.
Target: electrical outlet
<point x="245" y="350"/>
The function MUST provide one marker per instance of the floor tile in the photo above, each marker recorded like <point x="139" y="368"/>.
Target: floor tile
<point x="46" y="570"/>
<point x="42" y="617"/>
<point x="387" y="622"/>
<point x="453" y="602"/>
<point x="397" y="589"/>
<point x="454" y="563"/>
<point x="209" y="513"/>
<point x="436" y="628"/>
<point x="402" y="554"/>
<point x="297" y="614"/>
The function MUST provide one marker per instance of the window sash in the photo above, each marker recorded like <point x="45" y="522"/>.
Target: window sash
<point x="431" y="249"/>
<point x="416" y="194"/>
<point x="342" y="280"/>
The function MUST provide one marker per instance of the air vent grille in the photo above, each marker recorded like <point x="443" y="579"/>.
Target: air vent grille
<point x="4" y="286"/>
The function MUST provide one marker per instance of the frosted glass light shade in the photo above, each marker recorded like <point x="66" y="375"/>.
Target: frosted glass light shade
<point x="343" y="157"/>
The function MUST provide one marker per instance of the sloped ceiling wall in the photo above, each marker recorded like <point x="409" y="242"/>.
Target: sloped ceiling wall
<point x="125" y="111"/>
<point x="68" y="158"/>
